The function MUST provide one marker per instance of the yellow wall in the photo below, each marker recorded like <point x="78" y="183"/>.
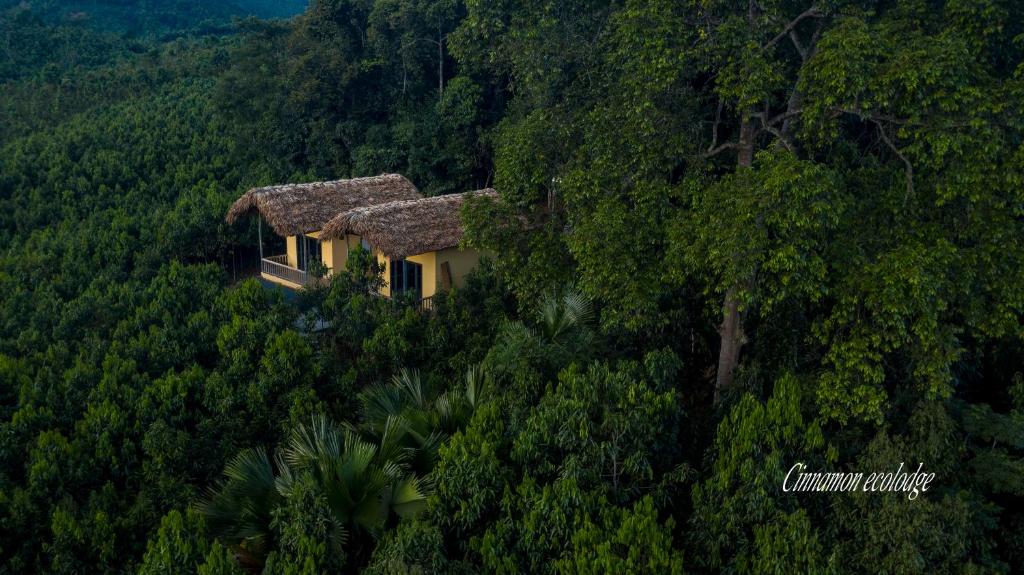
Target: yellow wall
<point x="335" y="257"/>
<point x="334" y="253"/>
<point x="385" y="261"/>
<point x="340" y="249"/>
<point x="331" y="251"/>
<point x="327" y="254"/>
<point x="429" y="263"/>
<point x="293" y="251"/>
<point x="461" y="263"/>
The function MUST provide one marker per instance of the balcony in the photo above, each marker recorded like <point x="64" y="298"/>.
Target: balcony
<point x="277" y="268"/>
<point x="425" y="304"/>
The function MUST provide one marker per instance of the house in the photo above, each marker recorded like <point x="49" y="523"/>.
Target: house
<point x="416" y="239"/>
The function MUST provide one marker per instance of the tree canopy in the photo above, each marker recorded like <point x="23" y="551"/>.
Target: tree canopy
<point x="731" y="237"/>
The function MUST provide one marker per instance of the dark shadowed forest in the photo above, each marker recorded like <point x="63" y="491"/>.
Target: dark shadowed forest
<point x="732" y="236"/>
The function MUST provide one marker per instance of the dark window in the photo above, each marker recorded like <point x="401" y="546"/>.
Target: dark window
<point x="406" y="278"/>
<point x="310" y="254"/>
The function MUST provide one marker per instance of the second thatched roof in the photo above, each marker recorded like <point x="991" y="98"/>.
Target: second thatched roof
<point x="294" y="209"/>
<point x="406" y="228"/>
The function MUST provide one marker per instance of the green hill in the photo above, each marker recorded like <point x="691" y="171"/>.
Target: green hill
<point x="149" y="17"/>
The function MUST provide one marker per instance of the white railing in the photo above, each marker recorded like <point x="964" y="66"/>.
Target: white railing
<point x="278" y="267"/>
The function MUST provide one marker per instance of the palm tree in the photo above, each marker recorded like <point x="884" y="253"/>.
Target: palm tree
<point x="564" y="318"/>
<point x="367" y="474"/>
<point x="238" y="510"/>
<point x="561" y="332"/>
<point x="404" y="414"/>
<point x="455" y="408"/>
<point x="365" y="485"/>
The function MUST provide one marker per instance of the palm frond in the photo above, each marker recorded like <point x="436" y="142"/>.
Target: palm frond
<point x="250" y="472"/>
<point x="478" y="382"/>
<point x="408" y="380"/>
<point x="311" y="445"/>
<point x="239" y="509"/>
<point x="428" y="451"/>
<point x="359" y="455"/>
<point x="406" y="497"/>
<point x="380" y="400"/>
<point x="391" y="441"/>
<point x="578" y="308"/>
<point x="514" y="334"/>
<point x="560" y="313"/>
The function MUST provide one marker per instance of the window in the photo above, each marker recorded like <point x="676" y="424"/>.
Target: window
<point x="406" y="277"/>
<point x="310" y="254"/>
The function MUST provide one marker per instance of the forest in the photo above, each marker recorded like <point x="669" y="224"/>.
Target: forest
<point x="732" y="237"/>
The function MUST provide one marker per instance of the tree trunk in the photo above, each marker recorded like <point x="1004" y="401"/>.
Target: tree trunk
<point x="731" y="329"/>
<point x="745" y="157"/>
<point x="731" y="334"/>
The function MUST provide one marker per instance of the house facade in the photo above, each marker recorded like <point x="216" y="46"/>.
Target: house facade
<point x="415" y="239"/>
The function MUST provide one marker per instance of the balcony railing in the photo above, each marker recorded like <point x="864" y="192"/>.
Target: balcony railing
<point x="277" y="266"/>
<point x="425" y="304"/>
<point x="422" y="304"/>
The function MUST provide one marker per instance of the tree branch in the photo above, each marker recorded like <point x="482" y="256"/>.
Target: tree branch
<point x="777" y="118"/>
<point x="796" y="44"/>
<point x="769" y="126"/>
<point x="906" y="163"/>
<point x="812" y="12"/>
<point x="781" y="137"/>
<point x="872" y="116"/>
<point x="715" y="151"/>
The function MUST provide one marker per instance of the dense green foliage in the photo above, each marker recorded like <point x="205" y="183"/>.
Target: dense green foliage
<point x="152" y="17"/>
<point x="733" y="237"/>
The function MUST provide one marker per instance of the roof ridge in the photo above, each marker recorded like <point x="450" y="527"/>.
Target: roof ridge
<point x="296" y="208"/>
<point x="406" y="227"/>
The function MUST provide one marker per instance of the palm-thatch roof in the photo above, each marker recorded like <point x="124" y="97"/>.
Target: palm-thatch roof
<point x="406" y="228"/>
<point x="294" y="209"/>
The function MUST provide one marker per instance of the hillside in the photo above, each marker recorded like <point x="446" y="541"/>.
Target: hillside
<point x="152" y="17"/>
<point x="731" y="243"/>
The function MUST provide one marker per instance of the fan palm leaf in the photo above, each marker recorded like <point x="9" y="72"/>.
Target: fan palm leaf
<point x="239" y="509"/>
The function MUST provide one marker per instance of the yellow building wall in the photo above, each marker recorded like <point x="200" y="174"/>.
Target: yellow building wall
<point x="292" y="245"/>
<point x="337" y="251"/>
<point x="461" y="263"/>
<point x="385" y="262"/>
<point x="429" y="263"/>
<point x="335" y="257"/>
<point x="340" y="248"/>
<point x="332" y="252"/>
<point x="327" y="254"/>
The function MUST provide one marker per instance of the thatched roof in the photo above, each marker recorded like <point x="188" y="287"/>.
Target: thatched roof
<point x="407" y="228"/>
<point x="294" y="209"/>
